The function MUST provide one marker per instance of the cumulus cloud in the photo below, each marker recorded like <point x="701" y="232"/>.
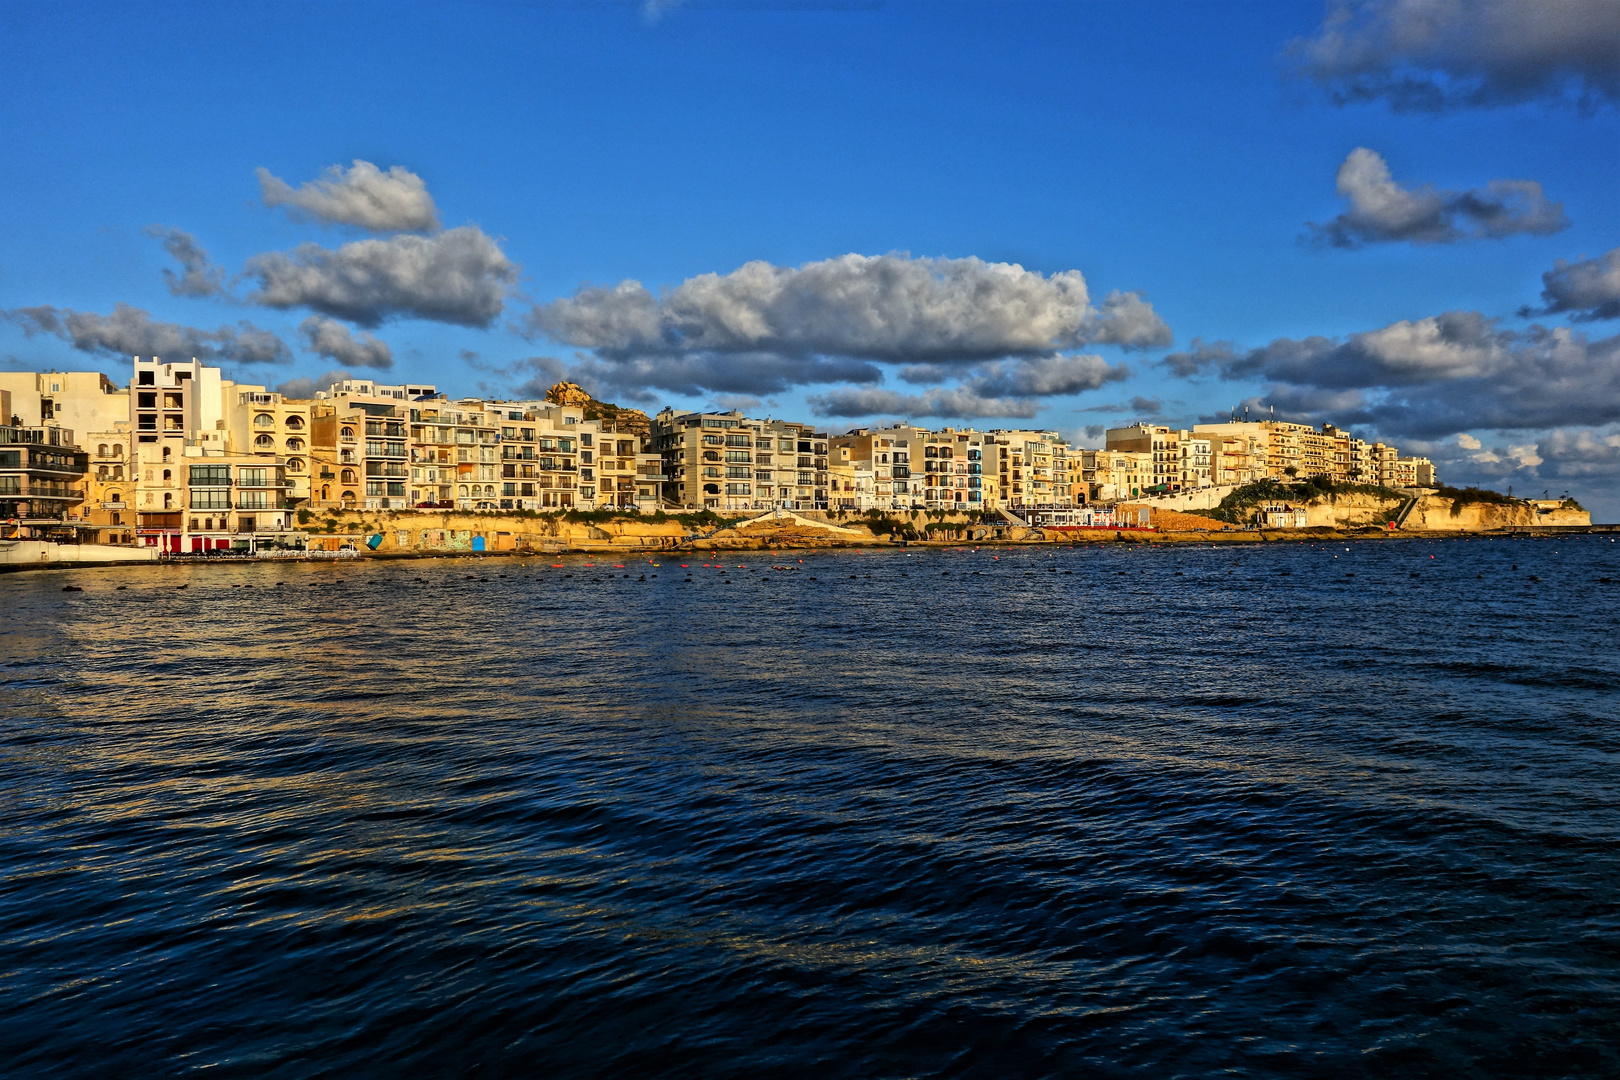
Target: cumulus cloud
<point x="1382" y="211"/>
<point x="762" y="328"/>
<point x="1430" y="55"/>
<point x="362" y="195"/>
<point x="1588" y="290"/>
<point x="458" y="276"/>
<point x="332" y="339"/>
<point x="304" y="388"/>
<point x="129" y="331"/>
<point x="1568" y="454"/>
<point x="199" y="275"/>
<point x="1440" y="375"/>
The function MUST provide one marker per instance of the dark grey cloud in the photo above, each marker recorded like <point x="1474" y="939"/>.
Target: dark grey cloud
<point x="362" y="195"/>
<point x="333" y="340"/>
<point x="303" y="388"/>
<point x="954" y="403"/>
<point x="458" y="276"/>
<point x="1044" y="376"/>
<point x="998" y="389"/>
<point x="1588" y="290"/>
<point x="129" y="331"/>
<point x="1200" y="356"/>
<point x="1382" y="211"/>
<point x="743" y="403"/>
<point x="1137" y="405"/>
<point x="762" y="328"/>
<point x="1436" y="376"/>
<point x="199" y="275"/>
<point x="1431" y="55"/>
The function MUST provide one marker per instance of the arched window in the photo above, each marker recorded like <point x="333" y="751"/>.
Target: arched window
<point x="348" y="433"/>
<point x="101" y="451"/>
<point x="167" y="476"/>
<point x="168" y="501"/>
<point x="295" y="464"/>
<point x="711" y="489"/>
<point x="489" y="489"/>
<point x="165" y="453"/>
<point x="348" y="476"/>
<point x="326" y="493"/>
<point x="118" y="450"/>
<point x="264" y="442"/>
<point x="296" y="445"/>
<point x="295" y="423"/>
<point x="101" y="472"/>
<point x="118" y="472"/>
<point x="463" y="491"/>
<point x="348" y="498"/>
<point x="346" y="456"/>
<point x="264" y="420"/>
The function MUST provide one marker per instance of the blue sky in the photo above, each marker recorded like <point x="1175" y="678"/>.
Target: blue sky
<point x="1173" y="151"/>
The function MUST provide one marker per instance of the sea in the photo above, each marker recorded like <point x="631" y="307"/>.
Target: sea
<point x="1314" y="809"/>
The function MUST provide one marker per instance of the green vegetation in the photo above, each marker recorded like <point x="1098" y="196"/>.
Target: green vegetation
<point x="304" y="516"/>
<point x="1461" y="497"/>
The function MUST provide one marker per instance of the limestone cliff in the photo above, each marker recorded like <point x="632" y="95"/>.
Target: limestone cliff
<point x="627" y="420"/>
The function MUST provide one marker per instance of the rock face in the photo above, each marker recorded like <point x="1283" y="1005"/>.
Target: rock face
<point x="1436" y="512"/>
<point x="567" y="393"/>
<point x="626" y="420"/>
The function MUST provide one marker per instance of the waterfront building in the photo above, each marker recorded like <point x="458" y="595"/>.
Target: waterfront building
<point x="450" y="445"/>
<point x="107" y="509"/>
<point x="1111" y="475"/>
<point x="41" y="469"/>
<point x="1180" y="458"/>
<point x="1415" y="472"/>
<point x="235" y="501"/>
<point x="726" y="461"/>
<point x="82" y="401"/>
<point x="261" y="423"/>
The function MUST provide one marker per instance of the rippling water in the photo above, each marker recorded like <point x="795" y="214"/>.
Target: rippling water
<point x="1284" y="811"/>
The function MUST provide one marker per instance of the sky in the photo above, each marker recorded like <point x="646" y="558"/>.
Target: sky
<point x="1399" y="216"/>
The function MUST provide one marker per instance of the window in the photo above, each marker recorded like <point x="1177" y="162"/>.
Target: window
<point x="295" y="445"/>
<point x="347" y="476"/>
<point x="264" y="442"/>
<point x="264" y="420"/>
<point x="295" y="423"/>
<point x="252" y="477"/>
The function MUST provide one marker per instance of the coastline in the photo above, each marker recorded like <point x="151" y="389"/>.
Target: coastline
<point x="1125" y="537"/>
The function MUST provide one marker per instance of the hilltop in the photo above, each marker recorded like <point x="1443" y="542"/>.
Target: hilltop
<point x="626" y="420"/>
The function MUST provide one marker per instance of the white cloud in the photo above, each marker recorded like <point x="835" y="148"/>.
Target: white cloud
<point x="364" y="195"/>
<point x="457" y="276"/>
<point x="129" y="331"/>
<point x="1436" y="376"/>
<point x="763" y="327"/>
<point x="332" y="339"/>
<point x="1428" y="55"/>
<point x="1383" y="211"/>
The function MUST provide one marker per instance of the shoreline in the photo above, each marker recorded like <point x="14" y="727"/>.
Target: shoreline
<point x="1130" y="538"/>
